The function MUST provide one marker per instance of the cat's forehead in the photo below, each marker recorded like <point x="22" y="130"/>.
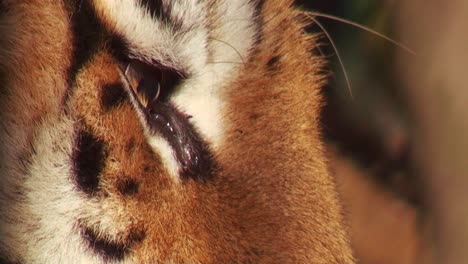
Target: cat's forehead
<point x="180" y="33"/>
<point x="163" y="16"/>
<point x="157" y="30"/>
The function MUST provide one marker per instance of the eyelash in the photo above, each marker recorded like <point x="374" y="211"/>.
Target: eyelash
<point x="151" y="83"/>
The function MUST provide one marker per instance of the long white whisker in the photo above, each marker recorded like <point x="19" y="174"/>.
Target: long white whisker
<point x="238" y="53"/>
<point x="354" y="24"/>
<point x="337" y="55"/>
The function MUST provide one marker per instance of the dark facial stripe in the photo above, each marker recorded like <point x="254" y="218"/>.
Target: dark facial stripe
<point x="161" y="11"/>
<point x="111" y="250"/>
<point x="191" y="151"/>
<point x="87" y="34"/>
<point x="88" y="162"/>
<point x="274" y="64"/>
<point x="157" y="9"/>
<point x="127" y="186"/>
<point x="258" y="5"/>
<point x="112" y="96"/>
<point x="259" y="20"/>
<point x="119" y="48"/>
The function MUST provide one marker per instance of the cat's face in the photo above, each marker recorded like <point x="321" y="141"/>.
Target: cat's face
<point x="163" y="132"/>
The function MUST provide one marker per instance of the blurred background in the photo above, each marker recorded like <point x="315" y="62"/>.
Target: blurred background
<point x="396" y="135"/>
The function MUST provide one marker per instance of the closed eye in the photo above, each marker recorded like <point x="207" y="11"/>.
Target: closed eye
<point x="151" y="83"/>
<point x="149" y="89"/>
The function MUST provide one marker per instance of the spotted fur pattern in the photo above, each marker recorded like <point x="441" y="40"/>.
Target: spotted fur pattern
<point x="226" y="167"/>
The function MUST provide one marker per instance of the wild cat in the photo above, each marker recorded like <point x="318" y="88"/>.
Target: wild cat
<point x="163" y="131"/>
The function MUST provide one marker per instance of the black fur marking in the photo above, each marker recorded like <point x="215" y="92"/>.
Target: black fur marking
<point x="128" y="186"/>
<point x="119" y="48"/>
<point x="157" y="9"/>
<point x="131" y="145"/>
<point x="105" y="246"/>
<point x="87" y="35"/>
<point x="112" y="96"/>
<point x="259" y="20"/>
<point x="162" y="12"/>
<point x="192" y="152"/>
<point x="273" y="63"/>
<point x="88" y="162"/>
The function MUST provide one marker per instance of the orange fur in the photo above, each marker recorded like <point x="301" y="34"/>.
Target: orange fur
<point x="271" y="200"/>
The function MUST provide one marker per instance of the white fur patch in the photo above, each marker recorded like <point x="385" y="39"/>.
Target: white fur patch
<point x="45" y="229"/>
<point x="210" y="54"/>
<point x="162" y="147"/>
<point x="153" y="40"/>
<point x="47" y="220"/>
<point x="230" y="41"/>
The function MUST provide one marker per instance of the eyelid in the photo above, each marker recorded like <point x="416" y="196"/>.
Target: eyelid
<point x="150" y="82"/>
<point x="145" y="81"/>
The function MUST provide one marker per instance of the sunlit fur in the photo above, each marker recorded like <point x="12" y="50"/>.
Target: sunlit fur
<point x="253" y="93"/>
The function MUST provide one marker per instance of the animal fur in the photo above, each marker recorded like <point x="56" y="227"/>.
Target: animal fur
<point x="81" y="180"/>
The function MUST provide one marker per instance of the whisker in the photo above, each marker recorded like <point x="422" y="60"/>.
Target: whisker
<point x="327" y="34"/>
<point x="357" y="25"/>
<point x="229" y="45"/>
